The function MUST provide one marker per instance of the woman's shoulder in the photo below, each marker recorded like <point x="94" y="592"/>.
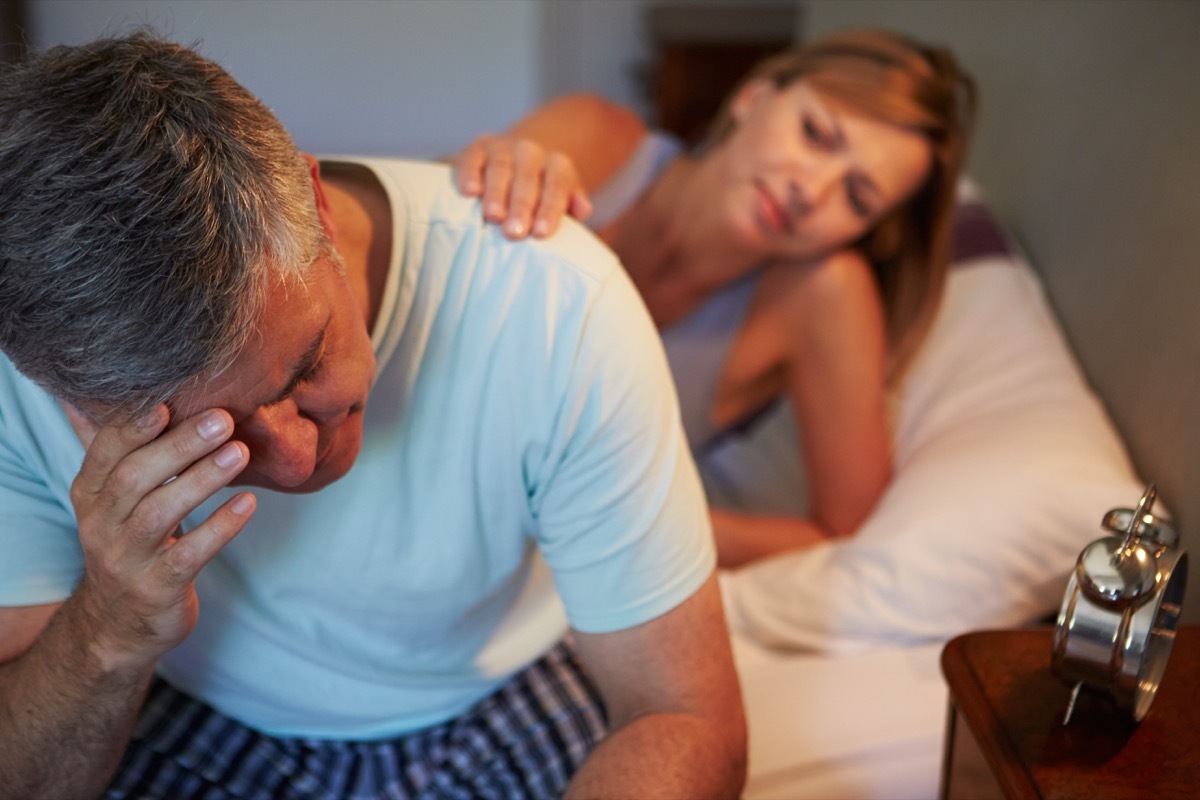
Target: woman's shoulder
<point x="598" y="115"/>
<point x="831" y="303"/>
<point x="840" y="277"/>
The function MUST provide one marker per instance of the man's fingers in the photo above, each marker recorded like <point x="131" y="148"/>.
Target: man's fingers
<point x="105" y="496"/>
<point x="111" y="443"/>
<point x="149" y="606"/>
<point x="188" y="554"/>
<point x="157" y="462"/>
<point x="160" y="512"/>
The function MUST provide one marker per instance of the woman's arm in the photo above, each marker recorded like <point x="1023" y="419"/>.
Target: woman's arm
<point x="545" y="164"/>
<point x="830" y="323"/>
<point x="742" y="538"/>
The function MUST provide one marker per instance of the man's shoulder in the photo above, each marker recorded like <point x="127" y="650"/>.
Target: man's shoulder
<point x="427" y="196"/>
<point x="32" y="422"/>
<point x="15" y="389"/>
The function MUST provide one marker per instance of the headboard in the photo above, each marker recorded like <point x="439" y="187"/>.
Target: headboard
<point x="1087" y="150"/>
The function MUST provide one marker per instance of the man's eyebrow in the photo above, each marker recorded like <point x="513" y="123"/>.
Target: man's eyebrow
<point x="303" y="367"/>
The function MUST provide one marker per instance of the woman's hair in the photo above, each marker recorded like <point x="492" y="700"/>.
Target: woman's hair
<point x="898" y="81"/>
<point x="146" y="201"/>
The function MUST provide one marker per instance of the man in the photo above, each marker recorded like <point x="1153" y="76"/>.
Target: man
<point x="188" y="305"/>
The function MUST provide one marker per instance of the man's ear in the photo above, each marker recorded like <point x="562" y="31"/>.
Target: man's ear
<point x="750" y="93"/>
<point x="326" y="216"/>
<point x="82" y="423"/>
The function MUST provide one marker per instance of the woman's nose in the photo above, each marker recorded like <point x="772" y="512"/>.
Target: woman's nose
<point x="814" y="185"/>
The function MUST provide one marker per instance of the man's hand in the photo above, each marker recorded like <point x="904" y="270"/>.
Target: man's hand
<point x="135" y="486"/>
<point x="523" y="187"/>
<point x="70" y="693"/>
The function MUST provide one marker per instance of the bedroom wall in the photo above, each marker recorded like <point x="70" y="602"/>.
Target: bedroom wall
<point x="1087" y="147"/>
<point x="604" y="46"/>
<point x="415" y="77"/>
<point x="1086" y="143"/>
<point x="12" y="20"/>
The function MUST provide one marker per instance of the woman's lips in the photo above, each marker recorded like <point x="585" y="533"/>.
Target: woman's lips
<point x="773" y="213"/>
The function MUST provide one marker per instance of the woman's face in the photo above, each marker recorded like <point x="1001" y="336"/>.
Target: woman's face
<point x="805" y="175"/>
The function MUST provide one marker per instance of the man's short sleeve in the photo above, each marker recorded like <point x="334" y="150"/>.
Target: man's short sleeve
<point x="40" y="556"/>
<point x="620" y="508"/>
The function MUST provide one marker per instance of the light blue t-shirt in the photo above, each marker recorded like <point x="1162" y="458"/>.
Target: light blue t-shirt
<point x="522" y="436"/>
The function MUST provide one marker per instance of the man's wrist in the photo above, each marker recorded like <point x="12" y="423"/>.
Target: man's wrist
<point x="105" y="640"/>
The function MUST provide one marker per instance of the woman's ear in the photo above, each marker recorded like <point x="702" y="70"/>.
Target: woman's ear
<point x="750" y="93"/>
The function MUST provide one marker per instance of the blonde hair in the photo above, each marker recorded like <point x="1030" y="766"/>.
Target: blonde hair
<point x="895" y="80"/>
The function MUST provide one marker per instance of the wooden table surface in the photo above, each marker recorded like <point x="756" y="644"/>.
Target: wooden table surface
<point x="1004" y="690"/>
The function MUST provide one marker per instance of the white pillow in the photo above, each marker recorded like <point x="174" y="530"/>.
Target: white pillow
<point x="1005" y="463"/>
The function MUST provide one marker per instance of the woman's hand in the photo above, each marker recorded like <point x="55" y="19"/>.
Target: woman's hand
<point x="523" y="187"/>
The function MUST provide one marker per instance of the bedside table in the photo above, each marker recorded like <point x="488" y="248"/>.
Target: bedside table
<point x="1005" y="737"/>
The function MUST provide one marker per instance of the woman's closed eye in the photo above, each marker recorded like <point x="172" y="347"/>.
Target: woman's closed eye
<point x="818" y="134"/>
<point x="856" y="198"/>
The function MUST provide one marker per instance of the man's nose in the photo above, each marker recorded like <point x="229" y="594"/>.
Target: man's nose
<point x="325" y="404"/>
<point x="282" y="442"/>
<point x="323" y="416"/>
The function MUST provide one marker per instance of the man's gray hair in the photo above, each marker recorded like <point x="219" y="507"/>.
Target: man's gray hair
<point x="146" y="200"/>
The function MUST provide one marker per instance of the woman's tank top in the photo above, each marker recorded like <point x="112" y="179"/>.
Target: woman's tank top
<point x="754" y="466"/>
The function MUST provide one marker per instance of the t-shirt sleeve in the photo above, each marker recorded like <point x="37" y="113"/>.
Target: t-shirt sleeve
<point x="621" y="514"/>
<point x="40" y="556"/>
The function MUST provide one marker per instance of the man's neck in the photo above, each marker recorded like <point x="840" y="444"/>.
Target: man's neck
<point x="363" y="218"/>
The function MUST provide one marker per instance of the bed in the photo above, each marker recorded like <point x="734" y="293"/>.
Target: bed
<point x="1060" y="377"/>
<point x="1005" y="462"/>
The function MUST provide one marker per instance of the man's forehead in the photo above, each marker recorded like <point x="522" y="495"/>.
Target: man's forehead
<point x="288" y="329"/>
<point x="214" y="390"/>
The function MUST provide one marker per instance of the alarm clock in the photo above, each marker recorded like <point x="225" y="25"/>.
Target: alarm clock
<point x="1121" y="609"/>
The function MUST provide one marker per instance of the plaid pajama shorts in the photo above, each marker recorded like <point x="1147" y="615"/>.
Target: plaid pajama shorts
<point x="524" y="741"/>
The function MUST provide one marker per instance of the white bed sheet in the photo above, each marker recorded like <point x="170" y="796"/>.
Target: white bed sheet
<point x="859" y="726"/>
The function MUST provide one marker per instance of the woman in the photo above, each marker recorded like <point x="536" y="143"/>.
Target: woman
<point x="793" y="263"/>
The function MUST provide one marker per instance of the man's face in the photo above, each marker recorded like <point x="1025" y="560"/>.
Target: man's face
<point x="298" y="390"/>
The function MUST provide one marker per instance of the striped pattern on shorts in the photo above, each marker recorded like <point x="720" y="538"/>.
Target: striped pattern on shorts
<point x="524" y="741"/>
